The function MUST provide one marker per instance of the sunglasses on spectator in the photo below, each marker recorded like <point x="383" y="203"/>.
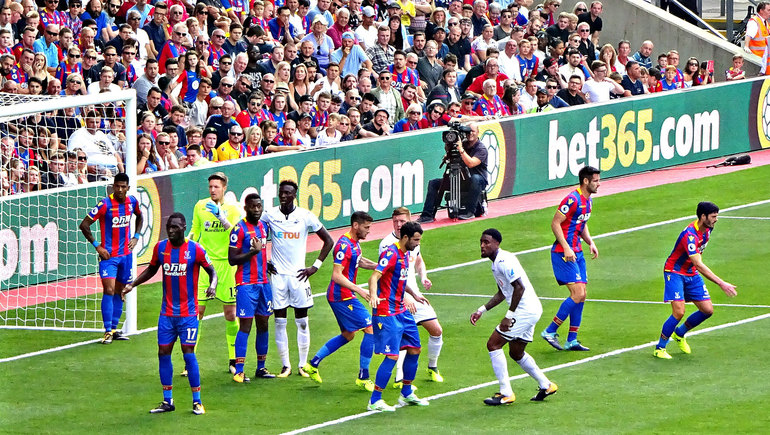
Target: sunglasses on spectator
<point x="581" y="10"/>
<point x="225" y="63"/>
<point x="53" y="1"/>
<point x="75" y="55"/>
<point x="203" y="12"/>
<point x="110" y="54"/>
<point x="385" y="78"/>
<point x="91" y="57"/>
<point x="345" y="124"/>
<point x="180" y="34"/>
<point x="134" y="19"/>
<point x="130" y="53"/>
<point x="236" y="133"/>
<point x="52" y="33"/>
<point x="82" y="158"/>
<point x="438" y="112"/>
<point x="216" y="107"/>
<point x="552" y="87"/>
<point x="355" y="98"/>
<point x="227" y="85"/>
<point x="217" y="36"/>
<point x="115" y="6"/>
<point x="268" y="81"/>
<point x="75" y="5"/>
<point x="468" y="103"/>
<point x="164" y="143"/>
<point x="584" y="30"/>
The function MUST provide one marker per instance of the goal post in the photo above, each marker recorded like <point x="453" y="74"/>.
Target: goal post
<point x="48" y="272"/>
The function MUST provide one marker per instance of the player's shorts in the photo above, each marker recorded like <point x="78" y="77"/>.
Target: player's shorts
<point x="424" y="311"/>
<point x="225" y="282"/>
<point x="393" y="333"/>
<point x="523" y="326"/>
<point x="117" y="268"/>
<point x="351" y="315"/>
<point x="253" y="299"/>
<point x="186" y="328"/>
<point x="684" y="288"/>
<point x="568" y="272"/>
<point x="289" y="291"/>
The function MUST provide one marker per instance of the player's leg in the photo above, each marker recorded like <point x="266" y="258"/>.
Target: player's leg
<point x="516" y="349"/>
<point x="303" y="338"/>
<point x="245" y="307"/>
<point x="188" y="337"/>
<point x="123" y="277"/>
<point x="231" y="332"/>
<point x="500" y="368"/>
<point x="566" y="273"/>
<point x="279" y="284"/>
<point x="410" y="339"/>
<point x="331" y="346"/>
<point x="578" y="295"/>
<point x="261" y="319"/>
<point x="399" y="382"/>
<point x="435" y="343"/>
<point x="387" y="338"/>
<point x="705" y="310"/>
<point x="166" y="338"/>
<point x="365" y="359"/>
<point x="674" y="293"/>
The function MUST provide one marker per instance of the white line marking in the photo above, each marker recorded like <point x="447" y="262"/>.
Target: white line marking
<point x="614" y="301"/>
<point x="83" y="343"/>
<point x="438" y="269"/>
<point x="753" y="218"/>
<point x="524" y="375"/>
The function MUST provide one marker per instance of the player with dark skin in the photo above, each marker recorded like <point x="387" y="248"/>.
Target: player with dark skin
<point x="119" y="192"/>
<point x="489" y="247"/>
<point x="287" y="194"/>
<point x="175" y="227"/>
<point x="253" y="209"/>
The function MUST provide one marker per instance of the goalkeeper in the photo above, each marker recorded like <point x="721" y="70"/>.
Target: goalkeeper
<point x="212" y="220"/>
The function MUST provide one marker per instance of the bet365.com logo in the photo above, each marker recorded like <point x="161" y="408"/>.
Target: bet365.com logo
<point x="759" y="108"/>
<point x="149" y="203"/>
<point x="493" y="139"/>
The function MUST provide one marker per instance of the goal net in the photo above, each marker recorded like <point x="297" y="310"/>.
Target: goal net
<point x="55" y="167"/>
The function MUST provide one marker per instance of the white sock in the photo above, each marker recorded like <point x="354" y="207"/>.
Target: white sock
<point x="400" y="365"/>
<point x="434" y="349"/>
<point x="282" y="341"/>
<point x="500" y="367"/>
<point x="303" y="339"/>
<point x="530" y="366"/>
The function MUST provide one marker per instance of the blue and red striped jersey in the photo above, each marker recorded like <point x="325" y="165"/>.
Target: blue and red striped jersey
<point x="168" y="51"/>
<point x="692" y="240"/>
<point x="255" y="270"/>
<point x="484" y="106"/>
<point x="115" y="223"/>
<point x="347" y="253"/>
<point x="189" y="89"/>
<point x="320" y="119"/>
<point x="394" y="267"/>
<point x="406" y="77"/>
<point x="577" y="209"/>
<point x="180" y="265"/>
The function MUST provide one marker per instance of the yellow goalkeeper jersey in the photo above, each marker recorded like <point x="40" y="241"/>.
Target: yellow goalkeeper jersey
<point x="209" y="232"/>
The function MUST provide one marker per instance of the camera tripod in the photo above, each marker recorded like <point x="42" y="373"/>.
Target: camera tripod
<point x="455" y="172"/>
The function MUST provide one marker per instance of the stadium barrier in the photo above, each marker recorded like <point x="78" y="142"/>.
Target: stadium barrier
<point x="526" y="154"/>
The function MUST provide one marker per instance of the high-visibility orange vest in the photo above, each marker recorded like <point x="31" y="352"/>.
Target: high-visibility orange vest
<point x="758" y="42"/>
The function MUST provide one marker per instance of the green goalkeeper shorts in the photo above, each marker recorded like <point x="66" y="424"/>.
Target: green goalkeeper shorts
<point x="225" y="282"/>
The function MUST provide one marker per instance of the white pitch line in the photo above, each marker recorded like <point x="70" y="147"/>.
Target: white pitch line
<point x="524" y="375"/>
<point x="614" y="301"/>
<point x="753" y="218"/>
<point x="438" y="269"/>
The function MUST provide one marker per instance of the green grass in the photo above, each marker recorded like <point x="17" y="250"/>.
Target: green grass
<point x="722" y="387"/>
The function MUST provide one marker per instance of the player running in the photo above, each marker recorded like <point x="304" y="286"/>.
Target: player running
<point x="350" y="313"/>
<point x="682" y="276"/>
<point x="569" y="225"/>
<point x="394" y="327"/>
<point x="115" y="259"/>
<point x="212" y="219"/>
<point x="518" y="325"/>
<point x="289" y="226"/>
<point x="425" y="315"/>
<point x="180" y="259"/>
<point x="254" y="298"/>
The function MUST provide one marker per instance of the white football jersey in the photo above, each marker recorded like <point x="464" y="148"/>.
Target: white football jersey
<point x="507" y="269"/>
<point x="391" y="239"/>
<point x="289" y="235"/>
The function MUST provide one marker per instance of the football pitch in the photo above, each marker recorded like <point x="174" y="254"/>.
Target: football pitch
<point x="617" y="387"/>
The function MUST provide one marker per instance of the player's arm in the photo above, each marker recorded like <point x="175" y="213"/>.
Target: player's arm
<point x="137" y="227"/>
<point x="704" y="270"/>
<point x="148" y="273"/>
<point x="219" y="213"/>
<point x="416" y="295"/>
<point x="367" y="264"/>
<point x="421" y="270"/>
<point x="585" y="235"/>
<point x="373" y="280"/>
<point x="324" y="235"/>
<point x="493" y="302"/>
<point x="195" y="229"/>
<point x="85" y="228"/>
<point x="234" y="255"/>
<point x="340" y="279"/>
<point x="556" y="222"/>
<point x="212" y="290"/>
<point x="518" y="292"/>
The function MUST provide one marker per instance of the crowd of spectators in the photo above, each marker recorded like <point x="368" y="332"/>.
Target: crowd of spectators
<point x="219" y="80"/>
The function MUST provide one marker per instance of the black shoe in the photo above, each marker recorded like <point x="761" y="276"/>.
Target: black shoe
<point x="231" y="367"/>
<point x="264" y="374"/>
<point x="466" y="216"/>
<point x="164" y="407"/>
<point x="424" y="219"/>
<point x="542" y="393"/>
<point x="119" y="336"/>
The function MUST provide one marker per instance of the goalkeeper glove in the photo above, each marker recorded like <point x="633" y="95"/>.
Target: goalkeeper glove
<point x="218" y="212"/>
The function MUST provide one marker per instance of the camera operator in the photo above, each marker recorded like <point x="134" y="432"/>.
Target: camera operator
<point x="474" y="157"/>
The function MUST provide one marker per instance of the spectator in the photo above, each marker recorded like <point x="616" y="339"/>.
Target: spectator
<point x="573" y="95"/>
<point x="54" y="177"/>
<point x="429" y="67"/>
<point x="330" y="135"/>
<point x="253" y="145"/>
<point x="560" y="30"/>
<point x="632" y="84"/>
<point x="446" y="90"/>
<point x="381" y="53"/>
<point x="586" y="47"/>
<point x="350" y="56"/>
<point x="643" y="55"/>
<point x="736" y="71"/>
<point x="32" y="180"/>
<point x="511" y="100"/>
<point x="167" y="159"/>
<point x="411" y="121"/>
<point x="379" y="125"/>
<point x="624" y="51"/>
<point x="491" y="71"/>
<point x="287" y="140"/>
<point x="460" y="47"/>
<point x="389" y="98"/>
<point x="209" y="145"/>
<point x="147" y="157"/>
<point x="597" y="89"/>
<point x="321" y="42"/>
<point x="542" y="102"/>
<point x="528" y="62"/>
<point x="232" y="148"/>
<point x="490" y="103"/>
<point x="366" y="33"/>
<point x="551" y="71"/>
<point x="147" y="81"/>
<point x="574" y="66"/>
<point x="593" y="19"/>
<point x="194" y="157"/>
